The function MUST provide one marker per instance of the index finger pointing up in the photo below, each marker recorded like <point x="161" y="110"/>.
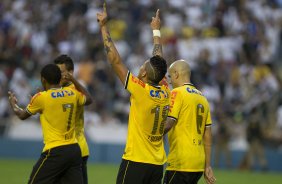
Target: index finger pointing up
<point x="158" y="13"/>
<point x="104" y="6"/>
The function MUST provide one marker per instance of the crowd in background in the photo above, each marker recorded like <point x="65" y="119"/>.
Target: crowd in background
<point x="234" y="48"/>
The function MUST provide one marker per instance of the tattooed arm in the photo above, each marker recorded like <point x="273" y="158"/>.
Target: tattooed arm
<point x="110" y="49"/>
<point x="155" y="25"/>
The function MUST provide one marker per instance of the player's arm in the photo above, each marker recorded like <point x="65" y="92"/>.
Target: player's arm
<point x="21" y="113"/>
<point x="169" y="123"/>
<point x="174" y="109"/>
<point x="156" y="25"/>
<point x="208" y="173"/>
<point x="79" y="87"/>
<point x="110" y="49"/>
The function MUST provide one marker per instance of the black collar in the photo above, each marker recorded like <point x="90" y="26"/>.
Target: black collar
<point x="189" y="84"/>
<point x="68" y="84"/>
<point x="154" y="85"/>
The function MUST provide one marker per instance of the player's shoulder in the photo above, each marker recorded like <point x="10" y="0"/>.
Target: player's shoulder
<point x="133" y="79"/>
<point x="38" y="96"/>
<point x="178" y="89"/>
<point x="72" y="86"/>
<point x="69" y="90"/>
<point x="175" y="92"/>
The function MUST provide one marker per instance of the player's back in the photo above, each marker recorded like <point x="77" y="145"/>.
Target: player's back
<point x="191" y="109"/>
<point x="57" y="109"/>
<point x="148" y="110"/>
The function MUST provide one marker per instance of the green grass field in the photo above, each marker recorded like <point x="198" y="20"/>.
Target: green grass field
<point x="17" y="172"/>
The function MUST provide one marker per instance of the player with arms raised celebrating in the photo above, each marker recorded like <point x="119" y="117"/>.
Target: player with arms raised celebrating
<point x="60" y="160"/>
<point x="144" y="153"/>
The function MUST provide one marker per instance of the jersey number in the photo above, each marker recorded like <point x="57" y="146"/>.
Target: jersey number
<point x="65" y="108"/>
<point x="199" y="111"/>
<point x="156" y="111"/>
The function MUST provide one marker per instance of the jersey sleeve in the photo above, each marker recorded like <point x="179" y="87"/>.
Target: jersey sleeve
<point x="81" y="99"/>
<point x="175" y="104"/>
<point x="208" y="121"/>
<point x="133" y="84"/>
<point x="36" y="104"/>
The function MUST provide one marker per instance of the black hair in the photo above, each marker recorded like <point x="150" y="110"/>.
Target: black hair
<point x="51" y="73"/>
<point x="65" y="59"/>
<point x="159" y="69"/>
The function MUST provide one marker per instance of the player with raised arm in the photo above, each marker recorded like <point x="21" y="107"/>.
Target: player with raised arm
<point x="144" y="155"/>
<point x="189" y="122"/>
<point x="60" y="160"/>
<point x="65" y="63"/>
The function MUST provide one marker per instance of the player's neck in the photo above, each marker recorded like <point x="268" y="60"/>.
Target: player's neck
<point x="53" y="86"/>
<point x="183" y="82"/>
<point x="152" y="83"/>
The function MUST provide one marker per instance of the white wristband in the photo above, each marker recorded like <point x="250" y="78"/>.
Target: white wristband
<point x="18" y="107"/>
<point x="156" y="33"/>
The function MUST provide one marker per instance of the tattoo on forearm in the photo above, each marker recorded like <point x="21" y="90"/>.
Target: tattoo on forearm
<point x="107" y="49"/>
<point x="109" y="39"/>
<point x="107" y="43"/>
<point x="157" y="50"/>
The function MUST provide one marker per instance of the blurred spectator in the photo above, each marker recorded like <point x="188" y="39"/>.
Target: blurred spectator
<point x="255" y="137"/>
<point x="4" y="105"/>
<point x="222" y="138"/>
<point x="19" y="85"/>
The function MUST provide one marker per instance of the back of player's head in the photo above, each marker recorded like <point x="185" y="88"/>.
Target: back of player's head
<point x="51" y="73"/>
<point x="182" y="67"/>
<point x="156" y="69"/>
<point x="65" y="59"/>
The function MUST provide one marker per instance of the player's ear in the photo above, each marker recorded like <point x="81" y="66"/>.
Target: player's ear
<point x="144" y="74"/>
<point x="43" y="82"/>
<point x="176" y="74"/>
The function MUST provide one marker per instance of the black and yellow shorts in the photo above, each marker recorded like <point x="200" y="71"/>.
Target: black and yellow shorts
<point x="139" y="173"/>
<point x="178" y="177"/>
<point x="61" y="164"/>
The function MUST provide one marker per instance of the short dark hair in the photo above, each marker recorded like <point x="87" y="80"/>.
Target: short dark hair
<point x="51" y="73"/>
<point x="160" y="68"/>
<point x="65" y="59"/>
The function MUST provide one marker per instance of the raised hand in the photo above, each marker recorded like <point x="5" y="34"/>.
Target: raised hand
<point x="102" y="17"/>
<point x="14" y="103"/>
<point x="156" y="21"/>
<point x="12" y="98"/>
<point x="156" y="25"/>
<point x="68" y="76"/>
<point x="110" y="49"/>
<point x="22" y="114"/>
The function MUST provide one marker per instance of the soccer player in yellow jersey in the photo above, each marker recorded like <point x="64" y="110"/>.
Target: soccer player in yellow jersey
<point x="65" y="63"/>
<point x="144" y="153"/>
<point x="60" y="160"/>
<point x="189" y="122"/>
